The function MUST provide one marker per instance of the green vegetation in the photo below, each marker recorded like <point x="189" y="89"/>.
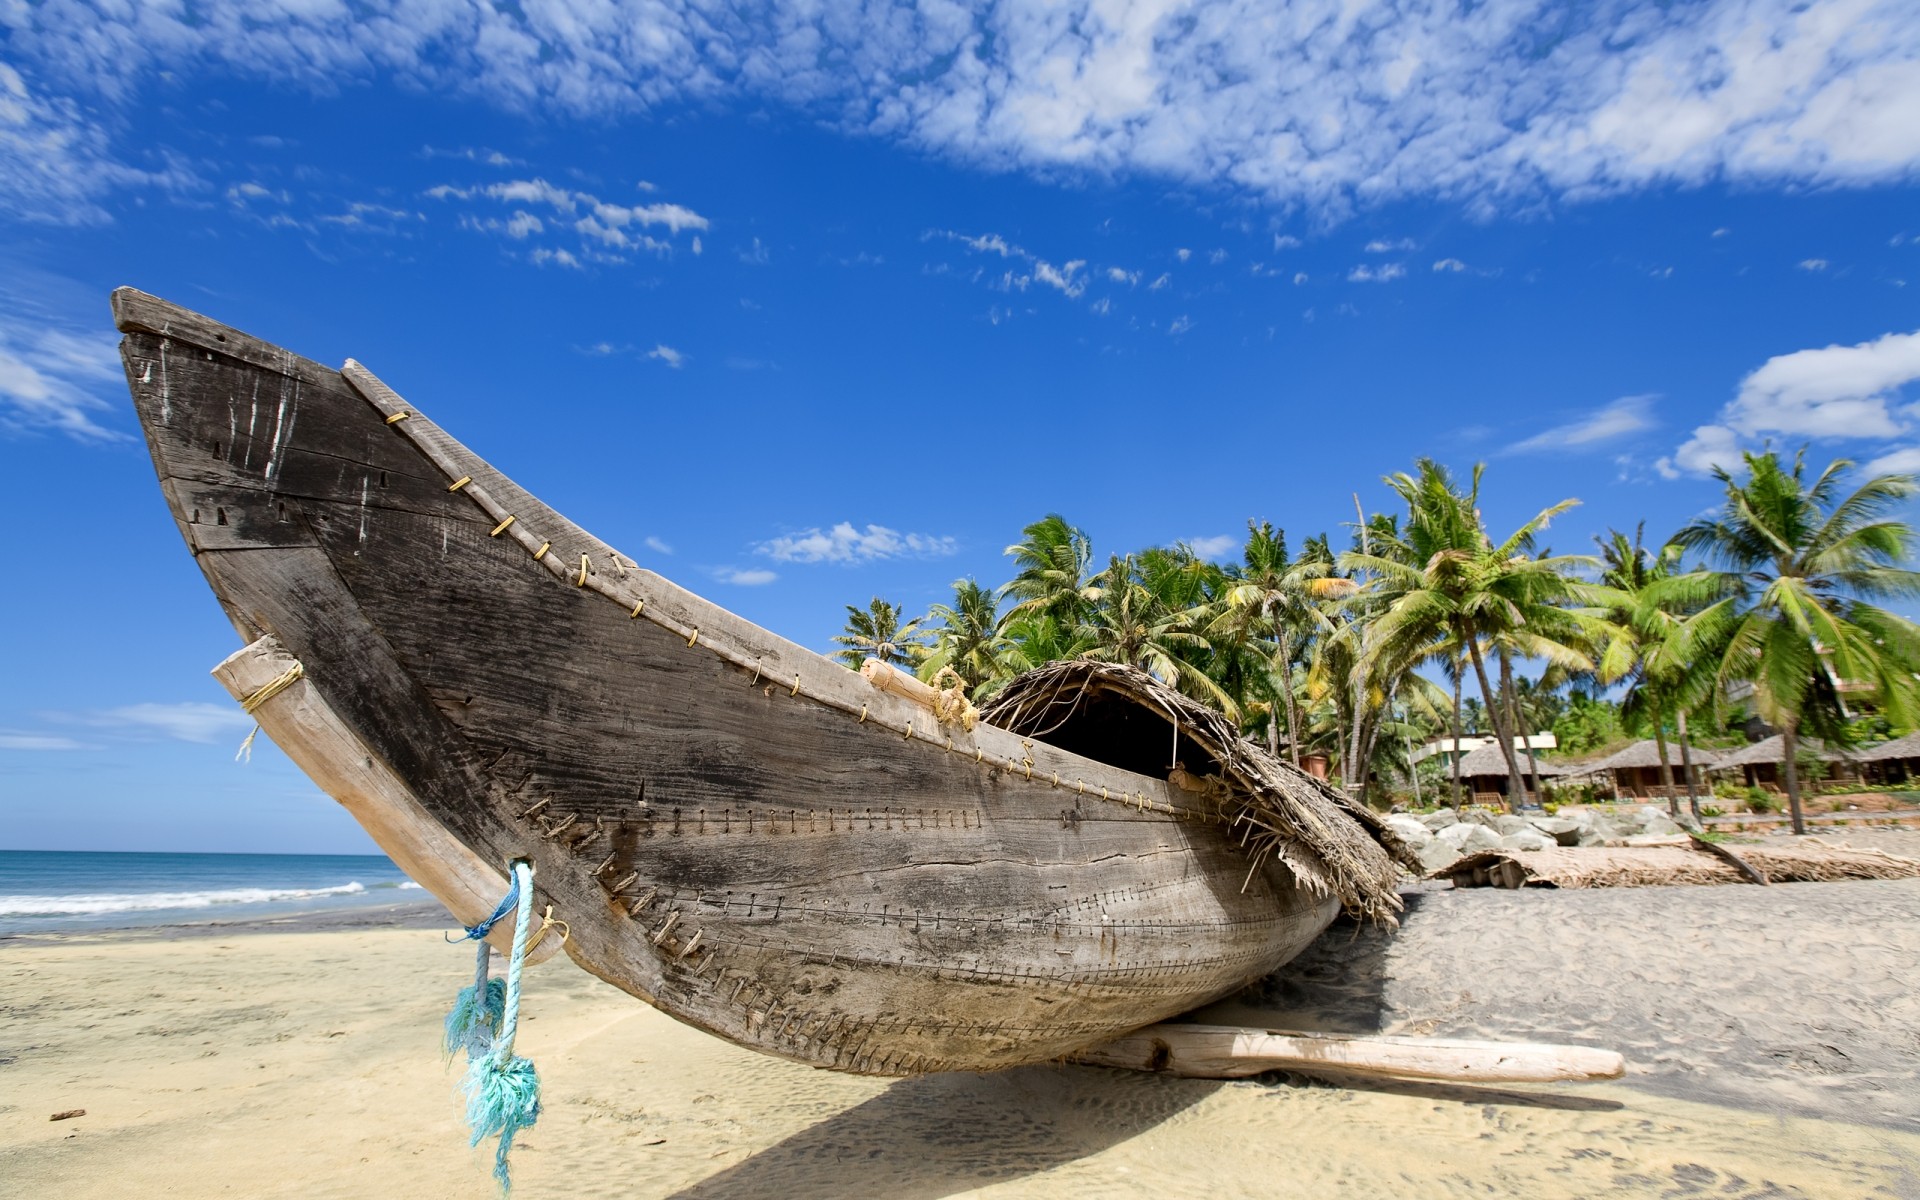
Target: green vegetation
<point x="1344" y="653"/>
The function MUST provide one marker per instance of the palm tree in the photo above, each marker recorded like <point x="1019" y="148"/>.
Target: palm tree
<point x="1442" y="581"/>
<point x="1052" y="560"/>
<point x="1277" y="598"/>
<point x="1804" y="565"/>
<point x="968" y="637"/>
<point x="1129" y="623"/>
<point x="1663" y="626"/>
<point x="878" y="633"/>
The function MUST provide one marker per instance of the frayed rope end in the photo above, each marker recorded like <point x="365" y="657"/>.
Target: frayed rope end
<point x="503" y="1097"/>
<point x="471" y="1025"/>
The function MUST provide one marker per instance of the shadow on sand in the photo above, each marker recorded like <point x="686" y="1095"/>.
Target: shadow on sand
<point x="936" y="1135"/>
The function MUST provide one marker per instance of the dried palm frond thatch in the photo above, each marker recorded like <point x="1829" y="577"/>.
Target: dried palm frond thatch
<point x="1333" y="844"/>
<point x="1666" y="866"/>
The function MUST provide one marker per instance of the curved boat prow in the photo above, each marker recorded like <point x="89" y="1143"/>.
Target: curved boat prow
<point x="738" y="830"/>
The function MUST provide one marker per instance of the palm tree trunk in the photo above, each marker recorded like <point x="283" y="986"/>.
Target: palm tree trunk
<point x="1686" y="766"/>
<point x="1789" y="742"/>
<point x="1459" y="677"/>
<point x="1513" y="718"/>
<point x="1286" y="692"/>
<point x="1666" y="767"/>
<point x="1516" y="786"/>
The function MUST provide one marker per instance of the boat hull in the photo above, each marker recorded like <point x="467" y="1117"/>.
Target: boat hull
<point x="737" y="830"/>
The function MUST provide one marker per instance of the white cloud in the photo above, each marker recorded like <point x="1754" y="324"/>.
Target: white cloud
<point x="1904" y="460"/>
<point x="1285" y="241"/>
<point x="1386" y="273"/>
<point x="191" y="721"/>
<point x="16" y="739"/>
<point x="1163" y="281"/>
<point x="604" y="229"/>
<point x="750" y="577"/>
<point x="1180" y="325"/>
<point x="1814" y="264"/>
<point x="51" y="378"/>
<point x="657" y="546"/>
<point x="1299" y="277"/>
<point x="1629" y="414"/>
<point x="1217" y="257"/>
<point x="755" y="255"/>
<point x="1721" y="232"/>
<point x="1450" y="264"/>
<point x="1213" y="548"/>
<point x="845" y="544"/>
<point x="668" y="355"/>
<point x="1183" y="254"/>
<point x="1119" y="275"/>
<point x="1312" y="102"/>
<point x="1836" y="392"/>
<point x="1379" y="246"/>
<point x="541" y="256"/>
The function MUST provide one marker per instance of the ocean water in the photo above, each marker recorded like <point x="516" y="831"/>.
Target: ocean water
<point x="54" y="890"/>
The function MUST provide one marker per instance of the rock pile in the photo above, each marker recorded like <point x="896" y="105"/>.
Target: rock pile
<point x="1442" y="837"/>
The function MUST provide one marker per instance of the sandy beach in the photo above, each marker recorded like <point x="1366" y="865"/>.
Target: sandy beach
<point x="1770" y="1032"/>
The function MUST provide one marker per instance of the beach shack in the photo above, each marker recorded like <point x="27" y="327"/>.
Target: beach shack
<point x="1897" y="761"/>
<point x="1635" y="771"/>
<point x="1483" y="772"/>
<point x="1760" y="764"/>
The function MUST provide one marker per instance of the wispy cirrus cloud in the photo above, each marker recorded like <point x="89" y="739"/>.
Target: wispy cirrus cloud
<point x="1308" y="102"/>
<point x="52" y="379"/>
<point x="190" y="721"/>
<point x="1837" y="393"/>
<point x="1609" y="422"/>
<point x="601" y="230"/>
<point x="847" y="544"/>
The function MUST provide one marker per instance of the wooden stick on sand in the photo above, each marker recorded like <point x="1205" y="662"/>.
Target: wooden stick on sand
<point x="1233" y="1052"/>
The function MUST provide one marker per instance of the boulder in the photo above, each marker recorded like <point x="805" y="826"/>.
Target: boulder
<point x="1436" y="854"/>
<point x="1468" y="837"/>
<point x="1527" y="839"/>
<point x="1654" y="820"/>
<point x="1563" y="830"/>
<point x="1437" y="821"/>
<point x="1478" y="816"/>
<point x="1409" y="830"/>
<point x="1506" y="823"/>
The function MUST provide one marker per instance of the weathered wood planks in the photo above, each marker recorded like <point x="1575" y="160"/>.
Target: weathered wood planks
<point x="738" y="830"/>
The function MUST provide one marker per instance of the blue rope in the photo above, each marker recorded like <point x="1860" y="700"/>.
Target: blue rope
<point x="475" y="932"/>
<point x="503" y="1091"/>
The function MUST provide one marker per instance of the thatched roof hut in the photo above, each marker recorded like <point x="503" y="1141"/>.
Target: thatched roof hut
<point x="1898" y="749"/>
<point x="1636" y="769"/>
<point x="1119" y="715"/>
<point x="1774" y="750"/>
<point x="1487" y="762"/>
<point x="1645" y="755"/>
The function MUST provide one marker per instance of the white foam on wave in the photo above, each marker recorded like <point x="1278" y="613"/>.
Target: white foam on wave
<point x="94" y="904"/>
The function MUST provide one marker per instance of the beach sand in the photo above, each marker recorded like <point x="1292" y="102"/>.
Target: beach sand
<point x="1773" y="1037"/>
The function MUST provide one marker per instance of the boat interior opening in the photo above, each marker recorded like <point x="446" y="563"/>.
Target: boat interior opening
<point x="1121" y="732"/>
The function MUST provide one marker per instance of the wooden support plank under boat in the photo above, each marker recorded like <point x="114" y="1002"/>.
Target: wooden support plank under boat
<point x="1233" y="1052"/>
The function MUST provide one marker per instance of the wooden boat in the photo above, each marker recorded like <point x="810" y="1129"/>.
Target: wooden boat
<point x="737" y="830"/>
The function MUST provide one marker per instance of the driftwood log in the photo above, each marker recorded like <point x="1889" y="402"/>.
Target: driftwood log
<point x="1234" y="1052"/>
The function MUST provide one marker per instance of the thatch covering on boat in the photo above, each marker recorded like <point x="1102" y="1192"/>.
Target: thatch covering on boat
<point x="1802" y="861"/>
<point x="1773" y="750"/>
<point x="1487" y="760"/>
<point x="1898" y="748"/>
<point x="1121" y="715"/>
<point x="1645" y="753"/>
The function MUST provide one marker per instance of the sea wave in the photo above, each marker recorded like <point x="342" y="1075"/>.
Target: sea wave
<point x="114" y="902"/>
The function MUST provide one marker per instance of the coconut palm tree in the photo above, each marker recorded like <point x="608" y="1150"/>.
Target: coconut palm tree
<point x="1663" y="629"/>
<point x="1442" y="580"/>
<point x="1277" y="598"/>
<point x="878" y="633"/>
<point x="1130" y="623"/>
<point x="1052" y="560"/>
<point x="1805" y="564"/>
<point x="967" y="637"/>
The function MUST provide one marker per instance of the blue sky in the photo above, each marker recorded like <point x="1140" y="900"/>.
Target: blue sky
<point x="804" y="304"/>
